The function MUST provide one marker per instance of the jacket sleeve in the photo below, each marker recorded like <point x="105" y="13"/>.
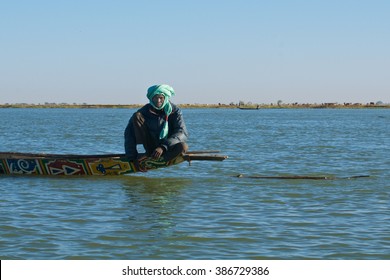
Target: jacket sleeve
<point x="130" y="141"/>
<point x="177" y="130"/>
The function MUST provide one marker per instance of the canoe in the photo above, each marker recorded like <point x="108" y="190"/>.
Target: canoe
<point x="248" y="108"/>
<point x="104" y="164"/>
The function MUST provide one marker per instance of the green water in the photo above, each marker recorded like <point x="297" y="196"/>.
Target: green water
<point x="204" y="211"/>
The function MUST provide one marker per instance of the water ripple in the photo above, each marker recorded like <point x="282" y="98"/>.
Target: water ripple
<point x="203" y="211"/>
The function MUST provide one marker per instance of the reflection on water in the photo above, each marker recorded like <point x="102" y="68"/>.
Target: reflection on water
<point x="152" y="203"/>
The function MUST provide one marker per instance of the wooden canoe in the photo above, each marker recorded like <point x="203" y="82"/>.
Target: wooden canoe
<point x="248" y="108"/>
<point x="104" y="164"/>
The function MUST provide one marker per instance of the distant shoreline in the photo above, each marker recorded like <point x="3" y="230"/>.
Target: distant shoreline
<point x="203" y="106"/>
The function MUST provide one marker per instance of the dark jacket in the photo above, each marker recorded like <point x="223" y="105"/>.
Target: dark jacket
<point x="154" y="120"/>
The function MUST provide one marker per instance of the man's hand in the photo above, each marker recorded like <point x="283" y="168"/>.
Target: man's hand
<point x="157" y="153"/>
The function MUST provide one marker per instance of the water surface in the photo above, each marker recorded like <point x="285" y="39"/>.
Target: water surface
<point x="204" y="211"/>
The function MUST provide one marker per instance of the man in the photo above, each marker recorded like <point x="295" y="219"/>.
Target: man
<point x="158" y="125"/>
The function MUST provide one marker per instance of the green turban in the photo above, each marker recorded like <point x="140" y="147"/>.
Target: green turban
<point x="167" y="92"/>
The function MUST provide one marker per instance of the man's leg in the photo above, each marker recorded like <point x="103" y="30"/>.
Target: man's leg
<point x="142" y="134"/>
<point x="179" y="148"/>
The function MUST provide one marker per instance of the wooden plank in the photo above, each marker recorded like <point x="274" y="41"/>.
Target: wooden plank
<point x="299" y="177"/>
<point x="16" y="155"/>
<point x="191" y="157"/>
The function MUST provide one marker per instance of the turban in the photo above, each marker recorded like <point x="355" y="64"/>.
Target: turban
<point x="167" y="92"/>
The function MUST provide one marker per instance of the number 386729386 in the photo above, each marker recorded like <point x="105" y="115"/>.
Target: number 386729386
<point x="240" y="270"/>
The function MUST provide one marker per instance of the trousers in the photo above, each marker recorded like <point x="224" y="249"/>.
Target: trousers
<point x="143" y="136"/>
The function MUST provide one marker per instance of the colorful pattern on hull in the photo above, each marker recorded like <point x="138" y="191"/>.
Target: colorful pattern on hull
<point x="81" y="166"/>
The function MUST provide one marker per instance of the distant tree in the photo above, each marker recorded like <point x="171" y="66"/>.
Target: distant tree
<point x="280" y="103"/>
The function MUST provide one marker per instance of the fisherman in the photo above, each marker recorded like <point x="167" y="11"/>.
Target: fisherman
<point x="158" y="126"/>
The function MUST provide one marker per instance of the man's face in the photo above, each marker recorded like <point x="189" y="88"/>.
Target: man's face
<point x="158" y="100"/>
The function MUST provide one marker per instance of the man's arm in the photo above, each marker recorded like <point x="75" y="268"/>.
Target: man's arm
<point x="179" y="130"/>
<point x="130" y="141"/>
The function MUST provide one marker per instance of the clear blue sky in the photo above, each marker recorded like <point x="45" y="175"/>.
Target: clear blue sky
<point x="110" y="52"/>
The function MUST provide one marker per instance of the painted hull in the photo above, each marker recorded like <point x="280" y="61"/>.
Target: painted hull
<point x="63" y="165"/>
<point x="54" y="164"/>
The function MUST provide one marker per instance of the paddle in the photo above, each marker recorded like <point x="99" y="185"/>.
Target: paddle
<point x="301" y="177"/>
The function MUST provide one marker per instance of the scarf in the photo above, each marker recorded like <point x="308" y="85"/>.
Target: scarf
<point x="167" y="92"/>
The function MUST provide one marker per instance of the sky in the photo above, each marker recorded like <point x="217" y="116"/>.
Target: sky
<point x="221" y="51"/>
